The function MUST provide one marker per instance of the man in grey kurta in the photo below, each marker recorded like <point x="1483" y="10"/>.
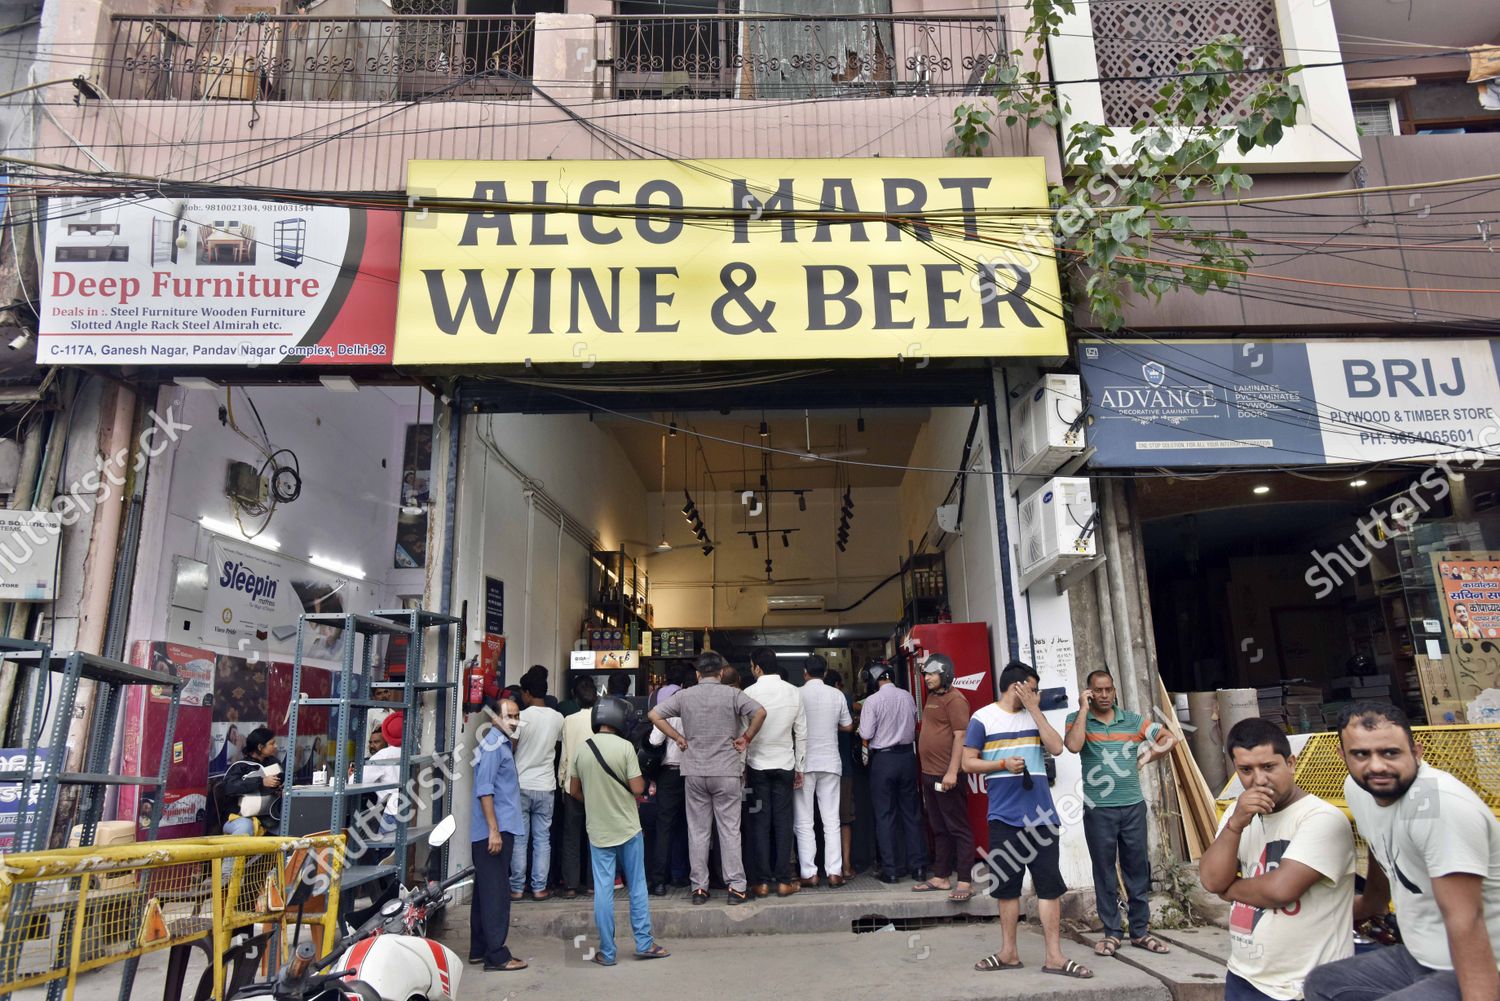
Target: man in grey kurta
<point x="712" y="768"/>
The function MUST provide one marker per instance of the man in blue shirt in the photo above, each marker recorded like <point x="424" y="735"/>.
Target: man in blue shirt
<point x="1004" y="743"/>
<point x="494" y="823"/>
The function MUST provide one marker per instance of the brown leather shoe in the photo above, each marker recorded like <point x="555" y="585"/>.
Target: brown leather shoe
<point x="760" y="890"/>
<point x="835" y="881"/>
<point x="787" y="889"/>
<point x="808" y="881"/>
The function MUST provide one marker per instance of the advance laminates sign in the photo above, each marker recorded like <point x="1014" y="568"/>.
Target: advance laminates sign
<point x="1324" y="402"/>
<point x="217" y="282"/>
<point x="567" y="286"/>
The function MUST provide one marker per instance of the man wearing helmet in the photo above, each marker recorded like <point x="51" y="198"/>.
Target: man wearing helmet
<point x="606" y="775"/>
<point x="940" y="749"/>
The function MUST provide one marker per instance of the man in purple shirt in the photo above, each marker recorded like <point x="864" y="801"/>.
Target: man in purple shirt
<point x="888" y="725"/>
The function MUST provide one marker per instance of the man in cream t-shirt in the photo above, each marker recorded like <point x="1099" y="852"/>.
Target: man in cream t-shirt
<point x="1435" y="849"/>
<point x="1285" y="859"/>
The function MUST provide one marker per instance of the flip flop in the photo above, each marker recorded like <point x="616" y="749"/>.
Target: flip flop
<point x="1151" y="944"/>
<point x="961" y="896"/>
<point x="992" y="964"/>
<point x="598" y="960"/>
<point x="1071" y="969"/>
<point x="657" y="952"/>
<point x="927" y="886"/>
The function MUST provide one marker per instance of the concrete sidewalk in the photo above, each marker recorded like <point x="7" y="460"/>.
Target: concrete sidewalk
<point x="934" y="964"/>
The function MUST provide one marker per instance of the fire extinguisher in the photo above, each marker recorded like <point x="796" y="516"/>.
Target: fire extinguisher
<point x="473" y="684"/>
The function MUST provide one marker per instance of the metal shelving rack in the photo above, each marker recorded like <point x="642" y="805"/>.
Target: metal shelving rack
<point x="351" y="710"/>
<point x="34" y="823"/>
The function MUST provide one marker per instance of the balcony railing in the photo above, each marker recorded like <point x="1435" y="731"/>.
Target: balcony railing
<point x="798" y="57"/>
<point x="319" y="58"/>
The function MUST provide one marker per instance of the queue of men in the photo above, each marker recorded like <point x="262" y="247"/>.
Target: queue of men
<point x="778" y="755"/>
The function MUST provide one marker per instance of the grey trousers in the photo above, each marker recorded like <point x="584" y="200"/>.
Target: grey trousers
<point x="1390" y="974"/>
<point x="714" y="800"/>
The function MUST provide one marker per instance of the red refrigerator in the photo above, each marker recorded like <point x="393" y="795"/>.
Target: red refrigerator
<point x="968" y="644"/>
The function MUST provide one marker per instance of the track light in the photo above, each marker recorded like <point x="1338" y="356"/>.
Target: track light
<point x="860" y="424"/>
<point x="754" y="542"/>
<point x="786" y="541"/>
<point x="708" y="548"/>
<point x="801" y="501"/>
<point x="672" y="430"/>
<point x="765" y="430"/>
<point x="687" y="504"/>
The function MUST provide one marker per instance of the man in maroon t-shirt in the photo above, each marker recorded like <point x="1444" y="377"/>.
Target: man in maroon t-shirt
<point x="945" y="720"/>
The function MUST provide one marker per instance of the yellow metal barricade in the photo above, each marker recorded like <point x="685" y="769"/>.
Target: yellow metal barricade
<point x="1471" y="753"/>
<point x="66" y="912"/>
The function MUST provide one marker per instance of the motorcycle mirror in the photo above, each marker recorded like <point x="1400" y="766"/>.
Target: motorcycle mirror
<point x="442" y="832"/>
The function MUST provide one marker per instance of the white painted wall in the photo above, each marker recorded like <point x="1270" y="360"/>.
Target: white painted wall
<point x="347" y="509"/>
<point x="683" y="589"/>
<point x="501" y="534"/>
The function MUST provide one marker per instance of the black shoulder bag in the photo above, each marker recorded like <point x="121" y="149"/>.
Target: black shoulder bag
<point x="608" y="770"/>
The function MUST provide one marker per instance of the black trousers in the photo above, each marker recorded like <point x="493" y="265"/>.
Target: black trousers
<point x="770" y="859"/>
<point x="577" y="865"/>
<point x="671" y="814"/>
<point x="953" y="844"/>
<point x="489" y="911"/>
<point x="898" y="823"/>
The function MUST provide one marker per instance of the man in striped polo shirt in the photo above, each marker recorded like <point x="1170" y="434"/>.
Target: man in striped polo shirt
<point x="1109" y="741"/>
<point x="1004" y="743"/>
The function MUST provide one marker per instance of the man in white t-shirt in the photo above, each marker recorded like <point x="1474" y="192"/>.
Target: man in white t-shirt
<point x="536" y="763"/>
<point x="1285" y="859"/>
<point x="1435" y="848"/>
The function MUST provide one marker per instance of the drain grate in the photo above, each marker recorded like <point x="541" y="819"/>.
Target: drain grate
<point x="878" y="922"/>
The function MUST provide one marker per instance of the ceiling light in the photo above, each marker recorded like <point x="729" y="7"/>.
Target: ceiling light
<point x="1262" y="489"/>
<point x="663" y="546"/>
<point x="234" y="531"/>
<point x="337" y="566"/>
<point x="339" y="383"/>
<point x="765" y="430"/>
<point x="1359" y="483"/>
<point x="672" y="430"/>
<point x="196" y="382"/>
<point x="792" y="653"/>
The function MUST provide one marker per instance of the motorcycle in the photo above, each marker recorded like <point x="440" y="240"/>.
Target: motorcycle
<point x="385" y="959"/>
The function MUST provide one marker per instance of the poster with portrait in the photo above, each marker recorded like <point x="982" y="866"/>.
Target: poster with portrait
<point x="1468" y="585"/>
<point x="416" y="496"/>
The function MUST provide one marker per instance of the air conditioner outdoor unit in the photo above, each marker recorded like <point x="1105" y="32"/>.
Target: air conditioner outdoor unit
<point x="795" y="603"/>
<point x="1045" y="428"/>
<point x="1057" y="527"/>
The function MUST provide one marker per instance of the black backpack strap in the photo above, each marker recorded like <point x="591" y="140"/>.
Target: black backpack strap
<point x="608" y="770"/>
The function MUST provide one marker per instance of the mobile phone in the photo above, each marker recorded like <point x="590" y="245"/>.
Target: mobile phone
<point x="938" y="786"/>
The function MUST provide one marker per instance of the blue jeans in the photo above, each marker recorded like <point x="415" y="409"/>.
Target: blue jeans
<point x="1390" y="974"/>
<point x="241" y="826"/>
<point x="630" y="857"/>
<point x="536" y="815"/>
<point x="1237" y="988"/>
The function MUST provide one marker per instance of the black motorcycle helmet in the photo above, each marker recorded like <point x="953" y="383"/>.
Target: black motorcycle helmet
<point x="611" y="711"/>
<point x="942" y="665"/>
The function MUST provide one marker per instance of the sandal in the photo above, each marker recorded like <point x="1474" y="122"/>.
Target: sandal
<point x="991" y="964"/>
<point x="1071" y="969"/>
<point x="1107" y="946"/>
<point x="961" y="896"/>
<point x="599" y="960"/>
<point x="1151" y="944"/>
<point x="656" y="952"/>
<point x="928" y="886"/>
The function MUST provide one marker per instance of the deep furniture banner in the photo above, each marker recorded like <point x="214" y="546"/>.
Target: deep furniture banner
<point x="718" y="273"/>
<point x="1292" y="402"/>
<point x="217" y="282"/>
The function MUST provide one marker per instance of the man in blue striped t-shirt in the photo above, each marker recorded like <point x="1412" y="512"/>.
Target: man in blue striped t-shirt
<point x="1004" y="743"/>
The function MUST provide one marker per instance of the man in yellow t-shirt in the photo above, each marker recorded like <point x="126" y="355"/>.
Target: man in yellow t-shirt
<point x="1285" y="859"/>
